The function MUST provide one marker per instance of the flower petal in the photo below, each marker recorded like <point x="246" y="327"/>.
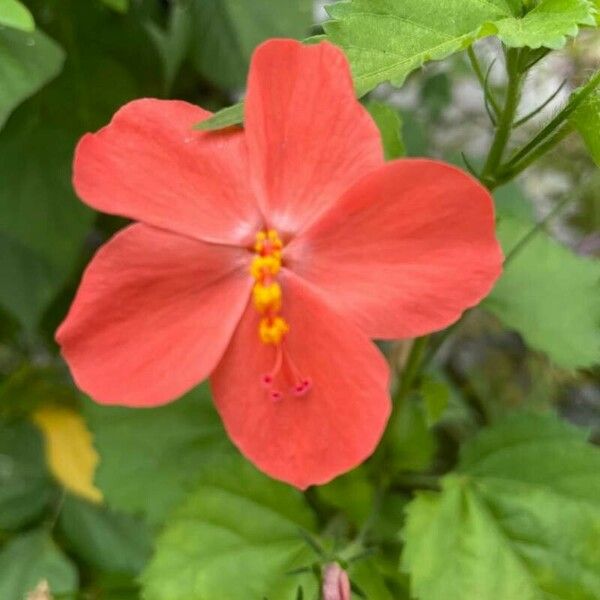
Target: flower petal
<point x="405" y="251"/>
<point x="336" y="425"/>
<point x="308" y="137"/>
<point x="153" y="315"/>
<point x="149" y="164"/>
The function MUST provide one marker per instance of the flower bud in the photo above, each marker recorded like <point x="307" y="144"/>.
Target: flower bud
<point x="336" y="584"/>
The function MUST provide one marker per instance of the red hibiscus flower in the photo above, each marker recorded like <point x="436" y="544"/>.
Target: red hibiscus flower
<point x="266" y="258"/>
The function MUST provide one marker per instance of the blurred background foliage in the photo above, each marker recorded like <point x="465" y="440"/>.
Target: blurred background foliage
<point x="102" y="503"/>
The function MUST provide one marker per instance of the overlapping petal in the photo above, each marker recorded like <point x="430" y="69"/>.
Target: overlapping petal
<point x="310" y="439"/>
<point x="149" y="164"/>
<point x="405" y="251"/>
<point x="153" y="315"/>
<point x="308" y="138"/>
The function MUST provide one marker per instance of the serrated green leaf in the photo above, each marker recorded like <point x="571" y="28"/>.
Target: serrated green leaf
<point x="231" y="115"/>
<point x="236" y="536"/>
<point x="14" y="14"/>
<point x="227" y="31"/>
<point x="144" y="466"/>
<point x="548" y="25"/>
<point x="587" y="121"/>
<point x="519" y="519"/>
<point x="28" y="61"/>
<point x="31" y="558"/>
<point x="389" y="123"/>
<point x="25" y="484"/>
<point x="385" y="40"/>
<point x="550" y="296"/>
<point x="110" y="541"/>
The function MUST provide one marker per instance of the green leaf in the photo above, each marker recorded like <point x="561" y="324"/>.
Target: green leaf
<point x="44" y="225"/>
<point x="510" y="201"/>
<point x="16" y="15"/>
<point x="352" y="493"/>
<point x="28" y="61"/>
<point x="587" y="121"/>
<point x="436" y="94"/>
<point x="146" y="467"/>
<point x="366" y="576"/>
<point x="237" y="536"/>
<point x="30" y="387"/>
<point x="120" y="6"/>
<point x="110" y="541"/>
<point x="33" y="280"/>
<point x="547" y="25"/>
<point x="174" y="42"/>
<point x="550" y="296"/>
<point x="410" y="444"/>
<point x="25" y="485"/>
<point x="389" y="123"/>
<point x="385" y="39"/>
<point x="519" y="519"/>
<point x="435" y="395"/>
<point x="231" y="115"/>
<point x="388" y="519"/>
<point x="227" y="31"/>
<point x="31" y="558"/>
<point x="114" y="586"/>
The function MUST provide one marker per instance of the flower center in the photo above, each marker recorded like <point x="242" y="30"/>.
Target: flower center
<point x="266" y="292"/>
<point x="272" y="328"/>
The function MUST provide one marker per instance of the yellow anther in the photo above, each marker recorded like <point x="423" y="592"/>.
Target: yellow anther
<point x="268" y="241"/>
<point x="272" y="330"/>
<point x="267" y="297"/>
<point x="261" y="238"/>
<point x="274" y="238"/>
<point x="266" y="292"/>
<point x="265" y="265"/>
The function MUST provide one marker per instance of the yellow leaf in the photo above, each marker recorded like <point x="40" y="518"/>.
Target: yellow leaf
<point x="69" y="451"/>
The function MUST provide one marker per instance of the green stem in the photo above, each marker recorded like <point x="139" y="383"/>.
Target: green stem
<point x="511" y="170"/>
<point x="556" y="122"/>
<point x="533" y="57"/>
<point x="482" y="79"/>
<point x="541" y="107"/>
<point x="507" y="115"/>
<point x="413" y="364"/>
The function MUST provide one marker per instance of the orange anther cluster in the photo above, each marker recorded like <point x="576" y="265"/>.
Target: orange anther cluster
<point x="266" y="292"/>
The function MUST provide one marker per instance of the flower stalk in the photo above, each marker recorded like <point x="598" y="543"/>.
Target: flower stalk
<point x="506" y="118"/>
